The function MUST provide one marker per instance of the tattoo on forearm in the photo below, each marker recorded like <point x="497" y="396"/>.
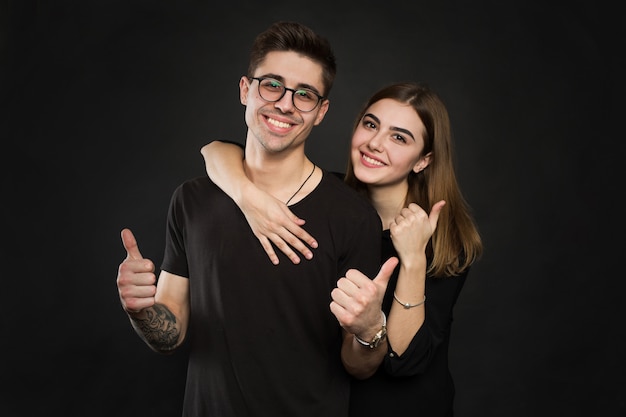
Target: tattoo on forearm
<point x="159" y="328"/>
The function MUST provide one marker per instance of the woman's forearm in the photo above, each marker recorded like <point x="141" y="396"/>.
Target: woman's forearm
<point x="403" y="322"/>
<point x="224" y="165"/>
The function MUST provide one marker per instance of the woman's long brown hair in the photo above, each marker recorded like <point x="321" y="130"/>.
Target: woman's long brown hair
<point x="456" y="243"/>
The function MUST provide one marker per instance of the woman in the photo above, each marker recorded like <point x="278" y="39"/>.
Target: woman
<point x="401" y="159"/>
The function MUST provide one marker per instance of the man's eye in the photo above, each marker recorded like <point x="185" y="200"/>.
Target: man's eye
<point x="305" y="95"/>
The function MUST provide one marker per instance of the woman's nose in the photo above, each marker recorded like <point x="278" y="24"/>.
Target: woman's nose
<point x="376" y="143"/>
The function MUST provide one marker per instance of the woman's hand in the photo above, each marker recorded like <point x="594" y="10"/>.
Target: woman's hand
<point x="412" y="229"/>
<point x="271" y="221"/>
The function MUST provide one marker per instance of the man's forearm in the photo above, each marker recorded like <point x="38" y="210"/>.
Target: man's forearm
<point x="158" y="327"/>
<point x="359" y="361"/>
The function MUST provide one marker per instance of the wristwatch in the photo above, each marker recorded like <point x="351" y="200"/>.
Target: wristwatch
<point x="378" y="337"/>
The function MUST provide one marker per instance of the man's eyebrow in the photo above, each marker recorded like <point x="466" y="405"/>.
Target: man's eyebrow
<point x="394" y="128"/>
<point x="274" y="76"/>
<point x="299" y="86"/>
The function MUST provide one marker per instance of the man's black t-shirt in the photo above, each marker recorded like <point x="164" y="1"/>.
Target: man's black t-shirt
<point x="262" y="339"/>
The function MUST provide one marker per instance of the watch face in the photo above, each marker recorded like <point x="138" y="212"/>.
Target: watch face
<point x="380" y="336"/>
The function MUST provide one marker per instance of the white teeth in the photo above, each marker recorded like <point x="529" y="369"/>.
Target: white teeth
<point x="372" y="161"/>
<point x="278" y="124"/>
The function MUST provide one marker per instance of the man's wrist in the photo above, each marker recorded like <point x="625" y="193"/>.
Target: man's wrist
<point x="378" y="338"/>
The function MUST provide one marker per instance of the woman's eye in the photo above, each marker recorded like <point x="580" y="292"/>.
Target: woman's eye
<point x="400" y="138"/>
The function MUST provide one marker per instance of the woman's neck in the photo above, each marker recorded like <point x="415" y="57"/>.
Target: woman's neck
<point x="388" y="201"/>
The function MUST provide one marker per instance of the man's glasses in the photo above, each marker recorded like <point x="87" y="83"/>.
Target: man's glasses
<point x="273" y="90"/>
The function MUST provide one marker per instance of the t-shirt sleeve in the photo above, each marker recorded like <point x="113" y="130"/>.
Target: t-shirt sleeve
<point x="175" y="255"/>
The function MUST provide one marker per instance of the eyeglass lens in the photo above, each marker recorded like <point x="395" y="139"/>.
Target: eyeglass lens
<point x="272" y="90"/>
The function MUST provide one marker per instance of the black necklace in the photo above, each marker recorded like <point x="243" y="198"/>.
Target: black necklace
<point x="301" y="185"/>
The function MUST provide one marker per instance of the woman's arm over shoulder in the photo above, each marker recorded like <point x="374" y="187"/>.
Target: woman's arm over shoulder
<point x="223" y="164"/>
<point x="271" y="220"/>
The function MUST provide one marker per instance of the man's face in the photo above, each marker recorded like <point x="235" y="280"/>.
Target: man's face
<point x="279" y="125"/>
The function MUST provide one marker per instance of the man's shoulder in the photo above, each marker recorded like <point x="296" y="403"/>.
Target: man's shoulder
<point x="335" y="180"/>
<point x="200" y="185"/>
<point x="343" y="192"/>
<point x="195" y="182"/>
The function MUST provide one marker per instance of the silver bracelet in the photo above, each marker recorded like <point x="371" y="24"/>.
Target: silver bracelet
<point x="407" y="305"/>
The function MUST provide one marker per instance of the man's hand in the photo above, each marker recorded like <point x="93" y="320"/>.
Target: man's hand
<point x="357" y="300"/>
<point x="136" y="282"/>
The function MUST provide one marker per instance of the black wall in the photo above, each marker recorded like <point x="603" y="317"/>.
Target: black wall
<point x="107" y="103"/>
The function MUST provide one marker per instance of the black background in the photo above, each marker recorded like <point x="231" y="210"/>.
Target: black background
<point x="107" y="103"/>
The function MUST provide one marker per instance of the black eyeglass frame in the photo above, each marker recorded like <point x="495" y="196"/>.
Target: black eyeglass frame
<point x="285" y="89"/>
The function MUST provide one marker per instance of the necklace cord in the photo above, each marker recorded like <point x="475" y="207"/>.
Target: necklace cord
<point x="301" y="185"/>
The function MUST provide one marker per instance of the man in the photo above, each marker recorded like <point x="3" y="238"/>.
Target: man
<point x="262" y="339"/>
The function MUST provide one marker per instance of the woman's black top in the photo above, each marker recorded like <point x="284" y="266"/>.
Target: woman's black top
<point x="419" y="382"/>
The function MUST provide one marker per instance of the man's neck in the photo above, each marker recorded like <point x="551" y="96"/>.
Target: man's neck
<point x="280" y="174"/>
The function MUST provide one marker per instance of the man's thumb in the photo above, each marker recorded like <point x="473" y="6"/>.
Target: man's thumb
<point x="386" y="270"/>
<point x="130" y="244"/>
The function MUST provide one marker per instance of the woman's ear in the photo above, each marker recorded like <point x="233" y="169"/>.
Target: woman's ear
<point x="422" y="163"/>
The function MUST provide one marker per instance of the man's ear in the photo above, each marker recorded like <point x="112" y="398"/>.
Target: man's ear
<point x="244" y="87"/>
<point x="322" y="111"/>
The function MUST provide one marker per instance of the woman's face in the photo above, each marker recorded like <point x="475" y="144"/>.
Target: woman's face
<point x="387" y="144"/>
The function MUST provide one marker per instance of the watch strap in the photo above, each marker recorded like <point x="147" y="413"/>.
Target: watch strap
<point x="378" y="337"/>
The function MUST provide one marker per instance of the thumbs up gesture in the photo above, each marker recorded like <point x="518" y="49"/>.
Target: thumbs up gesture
<point x="357" y="300"/>
<point x="136" y="281"/>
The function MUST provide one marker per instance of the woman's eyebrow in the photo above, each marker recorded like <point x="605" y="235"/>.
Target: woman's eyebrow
<point x="394" y="128"/>
<point x="371" y="116"/>
<point x="399" y="129"/>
